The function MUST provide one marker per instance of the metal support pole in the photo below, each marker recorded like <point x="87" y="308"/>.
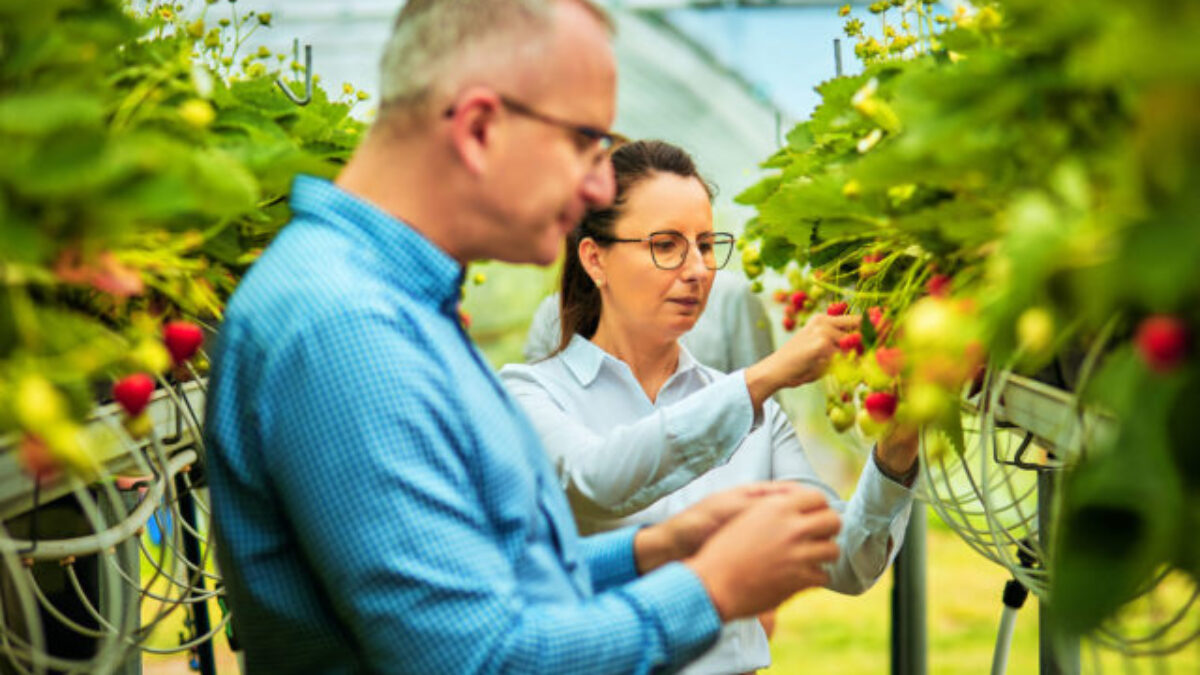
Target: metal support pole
<point x="908" y="599"/>
<point x="1057" y="655"/>
<point x="837" y="56"/>
<point x="191" y="549"/>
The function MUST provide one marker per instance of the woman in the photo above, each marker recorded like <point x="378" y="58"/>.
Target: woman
<point x="638" y="430"/>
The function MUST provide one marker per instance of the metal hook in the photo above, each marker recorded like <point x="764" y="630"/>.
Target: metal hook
<point x="33" y="517"/>
<point x="308" y="76"/>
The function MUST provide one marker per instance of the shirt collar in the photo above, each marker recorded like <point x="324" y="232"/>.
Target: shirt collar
<point x="415" y="262"/>
<point x="584" y="359"/>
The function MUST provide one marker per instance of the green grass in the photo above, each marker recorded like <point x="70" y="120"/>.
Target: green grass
<point x="823" y="632"/>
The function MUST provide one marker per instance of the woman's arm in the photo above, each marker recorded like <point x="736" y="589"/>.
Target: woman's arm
<point x="622" y="470"/>
<point x="874" y="519"/>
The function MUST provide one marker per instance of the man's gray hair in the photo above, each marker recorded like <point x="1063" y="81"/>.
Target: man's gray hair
<point x="434" y="41"/>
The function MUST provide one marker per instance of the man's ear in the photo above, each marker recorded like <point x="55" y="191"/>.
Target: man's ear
<point x="473" y="128"/>
<point x="590" y="256"/>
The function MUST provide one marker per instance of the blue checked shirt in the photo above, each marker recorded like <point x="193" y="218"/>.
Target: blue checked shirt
<point x="381" y="503"/>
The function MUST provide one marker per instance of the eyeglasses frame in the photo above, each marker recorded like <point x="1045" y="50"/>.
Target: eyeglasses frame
<point x="605" y="141"/>
<point x="687" y="246"/>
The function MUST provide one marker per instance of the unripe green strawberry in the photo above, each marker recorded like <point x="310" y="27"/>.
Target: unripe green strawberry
<point x="139" y="426"/>
<point x="752" y="262"/>
<point x="841" y="418"/>
<point x="795" y="279"/>
<point x="926" y="402"/>
<point x="874" y="375"/>
<point x="197" y="113"/>
<point x="1035" y="331"/>
<point x="150" y="356"/>
<point x="937" y="446"/>
<point x="39" y="404"/>
<point x="64" y="439"/>
<point x="844" y="371"/>
<point x="868" y="426"/>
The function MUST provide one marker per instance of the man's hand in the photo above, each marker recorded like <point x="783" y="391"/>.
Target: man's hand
<point x="773" y="549"/>
<point x="683" y="534"/>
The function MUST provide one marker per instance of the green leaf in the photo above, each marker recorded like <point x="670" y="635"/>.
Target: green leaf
<point x="225" y="186"/>
<point x="777" y="252"/>
<point x="42" y="113"/>
<point x="759" y="192"/>
<point x="1121" y="508"/>
<point x="869" y="336"/>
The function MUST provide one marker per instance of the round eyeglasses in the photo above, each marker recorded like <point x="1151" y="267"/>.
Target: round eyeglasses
<point x="669" y="249"/>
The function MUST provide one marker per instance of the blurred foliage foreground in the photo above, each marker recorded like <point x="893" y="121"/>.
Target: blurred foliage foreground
<point x="1016" y="185"/>
<point x="148" y="153"/>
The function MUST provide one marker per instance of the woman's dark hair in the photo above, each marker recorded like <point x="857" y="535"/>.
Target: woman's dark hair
<point x="579" y="299"/>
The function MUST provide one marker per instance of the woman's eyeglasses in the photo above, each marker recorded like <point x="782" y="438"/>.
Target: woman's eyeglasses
<point x="669" y="249"/>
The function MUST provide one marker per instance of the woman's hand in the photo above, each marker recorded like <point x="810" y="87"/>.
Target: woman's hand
<point x="802" y="359"/>
<point x="896" y="452"/>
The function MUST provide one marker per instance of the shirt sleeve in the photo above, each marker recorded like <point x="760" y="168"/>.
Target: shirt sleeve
<point x="874" y="520"/>
<point x="627" y="468"/>
<point x="610" y="557"/>
<point x="368" y="463"/>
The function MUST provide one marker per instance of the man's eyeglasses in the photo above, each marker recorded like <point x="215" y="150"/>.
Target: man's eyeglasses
<point x="586" y="136"/>
<point x="669" y="249"/>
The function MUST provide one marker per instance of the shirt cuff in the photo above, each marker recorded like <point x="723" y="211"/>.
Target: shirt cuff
<point x="758" y="415"/>
<point x="610" y="557"/>
<point x="883" y="499"/>
<point x="680" y="609"/>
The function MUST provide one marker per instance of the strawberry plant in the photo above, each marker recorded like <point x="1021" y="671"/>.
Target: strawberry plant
<point x="1017" y="184"/>
<point x="148" y="158"/>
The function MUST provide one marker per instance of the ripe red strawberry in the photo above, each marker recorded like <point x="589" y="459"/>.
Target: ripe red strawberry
<point x="182" y="338"/>
<point x="133" y="392"/>
<point x="938" y="285"/>
<point x="1162" y="342"/>
<point x="837" y="308"/>
<point x="464" y="318"/>
<point x="789" y="323"/>
<point x="798" y="300"/>
<point x="875" y="315"/>
<point x="853" y="341"/>
<point x="880" y="405"/>
<point x="890" y="360"/>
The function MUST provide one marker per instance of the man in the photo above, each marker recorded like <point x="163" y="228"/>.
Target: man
<point x="380" y="503"/>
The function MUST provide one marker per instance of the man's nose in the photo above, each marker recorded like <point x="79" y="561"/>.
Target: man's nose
<point x="600" y="184"/>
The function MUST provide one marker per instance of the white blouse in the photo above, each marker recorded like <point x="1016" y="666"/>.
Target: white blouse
<point x="624" y="461"/>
